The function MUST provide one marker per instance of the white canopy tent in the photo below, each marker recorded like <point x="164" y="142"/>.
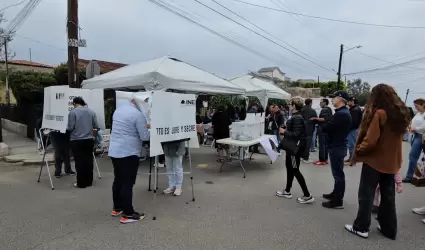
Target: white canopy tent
<point x="260" y="87"/>
<point x="164" y="73"/>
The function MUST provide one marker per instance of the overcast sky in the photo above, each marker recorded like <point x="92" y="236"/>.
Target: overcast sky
<point x="130" y="31"/>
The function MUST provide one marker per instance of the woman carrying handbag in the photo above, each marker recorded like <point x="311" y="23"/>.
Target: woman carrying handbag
<point x="293" y="143"/>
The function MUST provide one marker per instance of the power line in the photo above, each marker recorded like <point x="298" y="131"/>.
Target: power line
<point x="39" y="42"/>
<point x="262" y="36"/>
<point x="333" y="20"/>
<point x="417" y="60"/>
<point x="189" y="17"/>
<point x="382" y="60"/>
<point x="253" y="24"/>
<point x="13" y="5"/>
<point x="22" y="15"/>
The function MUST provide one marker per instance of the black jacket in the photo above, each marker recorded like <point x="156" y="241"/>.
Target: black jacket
<point x="337" y="128"/>
<point x="325" y="113"/>
<point x="277" y="120"/>
<point x="308" y="112"/>
<point x="356" y="117"/>
<point x="295" y="130"/>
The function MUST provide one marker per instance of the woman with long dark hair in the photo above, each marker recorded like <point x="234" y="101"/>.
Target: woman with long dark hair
<point x="379" y="147"/>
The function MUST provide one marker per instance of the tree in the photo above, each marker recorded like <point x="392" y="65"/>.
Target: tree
<point x="61" y="74"/>
<point x="327" y="88"/>
<point x="360" y="90"/>
<point x="9" y="37"/>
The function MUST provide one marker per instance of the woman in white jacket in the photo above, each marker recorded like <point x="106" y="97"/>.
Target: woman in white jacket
<point x="417" y="128"/>
<point x="174" y="152"/>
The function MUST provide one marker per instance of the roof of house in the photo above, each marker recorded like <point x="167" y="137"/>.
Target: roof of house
<point x="105" y="66"/>
<point x="28" y="63"/>
<point x="269" y="69"/>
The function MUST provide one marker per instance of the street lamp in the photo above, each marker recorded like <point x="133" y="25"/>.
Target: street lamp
<point x="342" y="51"/>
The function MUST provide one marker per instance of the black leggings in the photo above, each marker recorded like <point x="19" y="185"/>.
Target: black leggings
<point x="292" y="163"/>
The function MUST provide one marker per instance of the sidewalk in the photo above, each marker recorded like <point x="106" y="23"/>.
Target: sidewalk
<point x="22" y="150"/>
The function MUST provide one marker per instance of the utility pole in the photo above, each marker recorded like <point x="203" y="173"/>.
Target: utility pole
<point x="407" y="94"/>
<point x="339" y="65"/>
<point x="72" y="28"/>
<point x="7" y="70"/>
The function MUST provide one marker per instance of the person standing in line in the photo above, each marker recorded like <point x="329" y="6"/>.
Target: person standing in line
<point x="337" y="129"/>
<point x="277" y="121"/>
<point x="60" y="142"/>
<point x="308" y="112"/>
<point x="407" y="136"/>
<point x="417" y="128"/>
<point x="129" y="131"/>
<point x="173" y="152"/>
<point x="356" y="117"/>
<point x="254" y="110"/>
<point x="295" y="130"/>
<point x="384" y="123"/>
<point x="324" y="116"/>
<point x="82" y="123"/>
<point x="221" y="122"/>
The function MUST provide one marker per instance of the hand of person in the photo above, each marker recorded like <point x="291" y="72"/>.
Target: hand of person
<point x="148" y="126"/>
<point x="281" y="130"/>
<point x="313" y="118"/>
<point x="413" y="130"/>
<point x="399" y="188"/>
<point x="320" y="119"/>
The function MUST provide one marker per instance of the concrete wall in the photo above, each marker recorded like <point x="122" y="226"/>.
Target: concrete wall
<point x="304" y="93"/>
<point x="15" y="127"/>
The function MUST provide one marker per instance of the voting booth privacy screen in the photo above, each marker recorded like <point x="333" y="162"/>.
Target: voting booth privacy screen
<point x="173" y="117"/>
<point x="58" y="103"/>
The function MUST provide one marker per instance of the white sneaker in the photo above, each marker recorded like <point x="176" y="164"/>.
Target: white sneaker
<point x="169" y="190"/>
<point x="307" y="161"/>
<point x="305" y="200"/>
<point x="423" y="220"/>
<point x="419" y="210"/>
<point x="350" y="229"/>
<point x="284" y="194"/>
<point x="161" y="165"/>
<point x="178" y="192"/>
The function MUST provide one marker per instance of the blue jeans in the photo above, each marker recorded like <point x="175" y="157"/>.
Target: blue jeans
<point x="415" y="152"/>
<point x="276" y="132"/>
<point x="352" y="138"/>
<point x="336" y="156"/>
<point x="313" y="140"/>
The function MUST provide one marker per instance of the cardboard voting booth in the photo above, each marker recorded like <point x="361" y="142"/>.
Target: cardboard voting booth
<point x="57" y="105"/>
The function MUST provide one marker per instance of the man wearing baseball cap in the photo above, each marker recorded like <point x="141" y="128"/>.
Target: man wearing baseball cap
<point x="337" y="129"/>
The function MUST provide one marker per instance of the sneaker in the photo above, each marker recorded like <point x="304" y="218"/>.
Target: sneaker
<point x="333" y="204"/>
<point x="284" y="194"/>
<point x="419" y="210"/>
<point x="305" y="200"/>
<point x="423" y="221"/>
<point x="135" y="217"/>
<point x="307" y="161"/>
<point x="116" y="213"/>
<point x="350" y="229"/>
<point x="58" y="175"/>
<point x="169" y="190"/>
<point x="313" y="150"/>
<point x="328" y="196"/>
<point x="327" y="162"/>
<point x="71" y="173"/>
<point x="319" y="163"/>
<point x="405" y="180"/>
<point x="161" y="165"/>
<point x="178" y="192"/>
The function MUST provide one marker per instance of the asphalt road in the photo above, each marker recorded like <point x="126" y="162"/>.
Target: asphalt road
<point x="230" y="212"/>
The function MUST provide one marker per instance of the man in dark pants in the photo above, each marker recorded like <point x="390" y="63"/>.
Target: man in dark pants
<point x="129" y="130"/>
<point x="324" y="116"/>
<point x="60" y="142"/>
<point x="82" y="122"/>
<point x="356" y="117"/>
<point x="308" y="113"/>
<point x="337" y="129"/>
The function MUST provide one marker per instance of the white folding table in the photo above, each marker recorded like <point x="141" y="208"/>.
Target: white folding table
<point x="241" y="145"/>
